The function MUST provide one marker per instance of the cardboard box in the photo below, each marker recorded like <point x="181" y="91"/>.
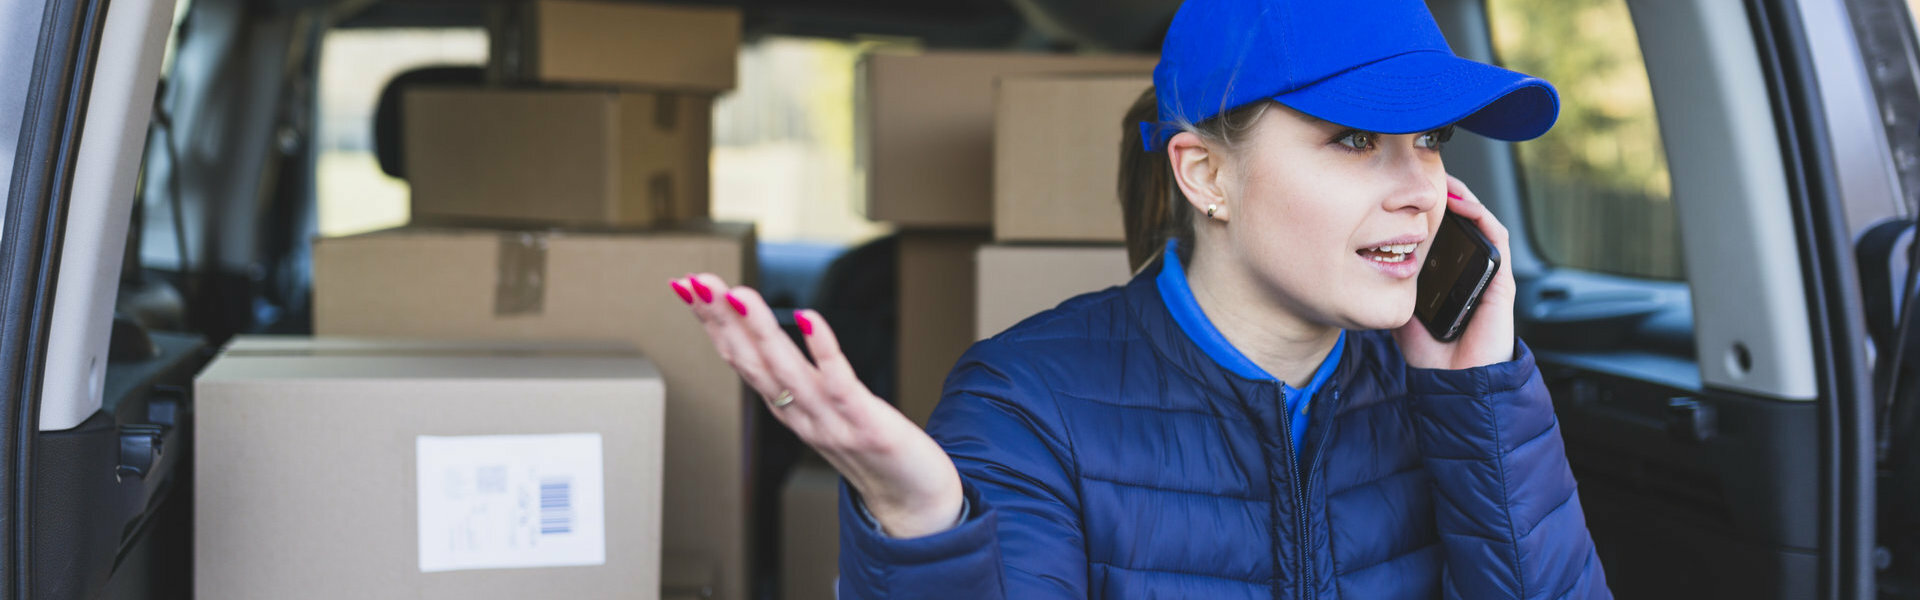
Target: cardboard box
<point x="337" y="471"/>
<point x="687" y="578"/>
<point x="926" y="138"/>
<point x="1056" y="157"/>
<point x="936" y="313"/>
<point x="810" y="532"/>
<point x="503" y="284"/>
<point x="562" y="157"/>
<point x="1016" y="282"/>
<point x="624" y="44"/>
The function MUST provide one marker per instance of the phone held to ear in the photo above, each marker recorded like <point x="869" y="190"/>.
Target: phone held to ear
<point x="1460" y="263"/>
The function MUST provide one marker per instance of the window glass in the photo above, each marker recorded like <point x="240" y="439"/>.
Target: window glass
<point x="352" y="194"/>
<point x="1596" y="189"/>
<point x="19" y="36"/>
<point x="783" y="143"/>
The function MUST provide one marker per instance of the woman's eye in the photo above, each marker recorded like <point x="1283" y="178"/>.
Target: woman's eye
<point x="1357" y="140"/>
<point x="1432" y="140"/>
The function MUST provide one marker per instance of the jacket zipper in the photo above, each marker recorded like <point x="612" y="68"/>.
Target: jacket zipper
<point x="1306" y="487"/>
<point x="1302" y="485"/>
<point x="1299" y="492"/>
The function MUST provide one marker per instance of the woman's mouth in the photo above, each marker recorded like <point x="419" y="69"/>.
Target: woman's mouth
<point x="1394" y="260"/>
<point x="1390" y="254"/>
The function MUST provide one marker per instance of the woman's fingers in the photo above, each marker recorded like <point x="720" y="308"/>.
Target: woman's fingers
<point x="830" y="409"/>
<point x="835" y="372"/>
<point x="699" y="299"/>
<point x="1463" y="202"/>
<point x="909" y="482"/>
<point x="1489" y="337"/>
<point x="714" y="303"/>
<point x="788" y="366"/>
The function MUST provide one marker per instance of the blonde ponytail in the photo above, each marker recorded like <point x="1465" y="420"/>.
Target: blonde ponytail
<point x="1151" y="206"/>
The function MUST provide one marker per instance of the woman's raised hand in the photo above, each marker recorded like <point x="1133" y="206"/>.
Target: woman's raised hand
<point x="1489" y="336"/>
<point x="905" y="478"/>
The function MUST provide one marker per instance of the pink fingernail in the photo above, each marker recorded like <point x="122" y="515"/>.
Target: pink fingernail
<point x="737" y="305"/>
<point x="685" y="294"/>
<point x="1454" y="196"/>
<point x="706" y="295"/>
<point x="806" y="325"/>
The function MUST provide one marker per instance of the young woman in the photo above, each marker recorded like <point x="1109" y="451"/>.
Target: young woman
<point x="1255" y="415"/>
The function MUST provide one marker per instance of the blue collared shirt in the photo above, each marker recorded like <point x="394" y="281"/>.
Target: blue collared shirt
<point x="1178" y="295"/>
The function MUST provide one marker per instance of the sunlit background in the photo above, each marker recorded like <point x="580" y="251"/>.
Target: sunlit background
<point x="783" y="140"/>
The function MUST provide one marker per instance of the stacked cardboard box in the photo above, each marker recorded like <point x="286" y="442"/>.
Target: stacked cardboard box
<point x="1056" y="157"/>
<point x="470" y="283"/>
<point x="809" y="532"/>
<point x="1016" y="281"/>
<point x="620" y="44"/>
<point x="927" y="143"/>
<point x="555" y="202"/>
<point x="336" y="468"/>
<point x="557" y="156"/>
<point x="1056" y="205"/>
<point x="600" y="113"/>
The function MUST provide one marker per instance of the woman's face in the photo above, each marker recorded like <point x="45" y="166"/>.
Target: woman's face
<point x="1335" y="222"/>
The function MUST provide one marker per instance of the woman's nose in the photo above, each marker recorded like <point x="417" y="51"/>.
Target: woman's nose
<point x="1419" y="182"/>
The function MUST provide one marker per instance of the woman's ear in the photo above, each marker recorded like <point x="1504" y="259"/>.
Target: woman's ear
<point x="1197" y="170"/>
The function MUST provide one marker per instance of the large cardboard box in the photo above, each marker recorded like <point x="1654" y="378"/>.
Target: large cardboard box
<point x="625" y="44"/>
<point x="557" y="156"/>
<point x="1056" y="157"/>
<point x="495" y="284"/>
<point x="365" y="470"/>
<point x="687" y="578"/>
<point x="936" y="313"/>
<point x="926" y="138"/>
<point x="1016" y="282"/>
<point x="810" y="532"/>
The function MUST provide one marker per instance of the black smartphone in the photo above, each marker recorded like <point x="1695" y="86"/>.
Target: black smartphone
<point x="1459" y="264"/>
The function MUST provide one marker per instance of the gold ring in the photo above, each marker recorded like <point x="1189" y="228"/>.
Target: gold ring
<point x="786" y="397"/>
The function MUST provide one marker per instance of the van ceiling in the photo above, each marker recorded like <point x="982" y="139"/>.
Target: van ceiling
<point x="1029" y="24"/>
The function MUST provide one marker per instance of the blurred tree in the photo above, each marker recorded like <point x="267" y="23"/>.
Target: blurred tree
<point x="1598" y="193"/>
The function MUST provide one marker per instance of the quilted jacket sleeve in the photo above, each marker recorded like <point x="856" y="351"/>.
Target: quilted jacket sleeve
<point x="1506" y="505"/>
<point x="1022" y="537"/>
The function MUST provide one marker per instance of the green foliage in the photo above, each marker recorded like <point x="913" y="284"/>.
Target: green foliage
<point x="1598" y="192"/>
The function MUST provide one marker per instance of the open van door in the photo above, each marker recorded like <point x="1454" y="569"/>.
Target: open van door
<point x="88" y="457"/>
<point x="1683" y="241"/>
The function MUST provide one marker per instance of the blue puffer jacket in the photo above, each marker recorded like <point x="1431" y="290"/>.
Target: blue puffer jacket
<point x="1107" y="454"/>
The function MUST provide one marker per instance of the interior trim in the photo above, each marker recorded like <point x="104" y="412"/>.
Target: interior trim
<point x="1750" y="310"/>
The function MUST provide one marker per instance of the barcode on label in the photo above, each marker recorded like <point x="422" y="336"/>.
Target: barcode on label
<point x="556" y="506"/>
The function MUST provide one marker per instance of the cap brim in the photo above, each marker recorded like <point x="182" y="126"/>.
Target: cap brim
<point x="1423" y="91"/>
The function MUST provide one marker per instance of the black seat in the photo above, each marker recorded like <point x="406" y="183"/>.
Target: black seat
<point x="388" y="119"/>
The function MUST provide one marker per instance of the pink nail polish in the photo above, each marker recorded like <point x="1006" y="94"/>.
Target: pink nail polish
<point x="706" y="295"/>
<point x="738" y="306"/>
<point x="685" y="294"/>
<point x="806" y="325"/>
<point x="1454" y="196"/>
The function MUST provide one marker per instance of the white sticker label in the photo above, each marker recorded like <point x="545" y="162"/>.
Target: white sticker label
<point x="510" y="501"/>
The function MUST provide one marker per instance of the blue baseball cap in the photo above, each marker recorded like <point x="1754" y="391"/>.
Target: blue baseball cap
<point x="1373" y="65"/>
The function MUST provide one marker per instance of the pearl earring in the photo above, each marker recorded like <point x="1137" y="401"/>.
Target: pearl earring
<point x="1211" y="208"/>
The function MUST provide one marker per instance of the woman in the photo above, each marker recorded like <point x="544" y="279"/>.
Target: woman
<point x="1256" y="414"/>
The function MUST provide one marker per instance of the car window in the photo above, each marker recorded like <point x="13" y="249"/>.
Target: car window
<point x="1595" y="189"/>
<point x="352" y="193"/>
<point x="19" y="36"/>
<point x="783" y="142"/>
<point x="783" y="139"/>
<point x="159" y="239"/>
